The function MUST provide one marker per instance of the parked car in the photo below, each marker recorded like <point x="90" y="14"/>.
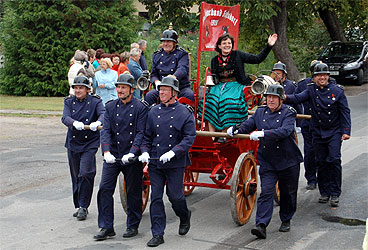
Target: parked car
<point x="347" y="62"/>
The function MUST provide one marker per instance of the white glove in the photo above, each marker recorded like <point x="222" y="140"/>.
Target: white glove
<point x="109" y="158"/>
<point x="230" y="131"/>
<point x="126" y="157"/>
<point x="78" y="125"/>
<point x="93" y="126"/>
<point x="298" y="130"/>
<point x="256" y="135"/>
<point x="144" y="157"/>
<point x="167" y="156"/>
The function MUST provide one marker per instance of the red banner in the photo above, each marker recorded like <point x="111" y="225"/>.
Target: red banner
<point x="215" y="21"/>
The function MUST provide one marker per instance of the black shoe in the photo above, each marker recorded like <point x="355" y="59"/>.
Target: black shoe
<point x="285" y="226"/>
<point x="311" y="186"/>
<point x="155" y="241"/>
<point x="334" y="202"/>
<point x="130" y="232"/>
<point x="104" y="233"/>
<point x="323" y="199"/>
<point x="82" y="213"/>
<point x="76" y="213"/>
<point x="259" y="231"/>
<point x="184" y="227"/>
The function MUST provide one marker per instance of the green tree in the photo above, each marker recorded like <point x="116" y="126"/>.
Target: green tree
<point x="38" y="39"/>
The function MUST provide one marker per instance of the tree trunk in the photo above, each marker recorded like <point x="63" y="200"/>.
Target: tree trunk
<point x="332" y="24"/>
<point x="278" y="24"/>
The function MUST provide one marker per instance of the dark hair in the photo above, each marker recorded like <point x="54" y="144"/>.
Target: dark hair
<point x="124" y="56"/>
<point x="99" y="52"/>
<point x="91" y="53"/>
<point x="224" y="37"/>
<point x="105" y="55"/>
<point x="116" y="54"/>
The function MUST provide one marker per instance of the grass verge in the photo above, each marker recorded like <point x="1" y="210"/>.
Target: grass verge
<point x="31" y="103"/>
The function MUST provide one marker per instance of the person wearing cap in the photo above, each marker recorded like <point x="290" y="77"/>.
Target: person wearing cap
<point x="225" y="103"/>
<point x="278" y="155"/>
<point x="310" y="165"/>
<point x="104" y="81"/>
<point x="121" y="138"/>
<point x="173" y="60"/>
<point x="79" y="110"/>
<point x="330" y="125"/>
<point x="77" y="68"/>
<point x="170" y="132"/>
<point x="279" y="74"/>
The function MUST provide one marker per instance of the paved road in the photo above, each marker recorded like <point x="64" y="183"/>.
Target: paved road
<point x="36" y="203"/>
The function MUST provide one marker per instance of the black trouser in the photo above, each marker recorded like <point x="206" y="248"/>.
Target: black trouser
<point x="82" y="167"/>
<point x="288" y="186"/>
<point x="133" y="174"/>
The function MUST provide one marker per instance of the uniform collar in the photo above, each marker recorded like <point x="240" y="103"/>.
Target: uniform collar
<point x="277" y="111"/>
<point x="121" y="103"/>
<point x="81" y="100"/>
<point x="170" y="105"/>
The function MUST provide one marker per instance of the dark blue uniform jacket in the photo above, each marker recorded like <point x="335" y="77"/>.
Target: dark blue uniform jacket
<point x="329" y="109"/>
<point x="124" y="126"/>
<point x="302" y="85"/>
<point x="277" y="150"/>
<point x="175" y="63"/>
<point x="87" y="111"/>
<point x="169" y="128"/>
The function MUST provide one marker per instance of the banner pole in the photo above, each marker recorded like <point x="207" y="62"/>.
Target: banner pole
<point x="196" y="86"/>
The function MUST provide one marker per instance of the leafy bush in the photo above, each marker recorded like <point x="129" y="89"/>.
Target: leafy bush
<point x="39" y="38"/>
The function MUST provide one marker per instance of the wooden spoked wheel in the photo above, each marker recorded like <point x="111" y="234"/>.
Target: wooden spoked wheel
<point x="189" y="176"/>
<point x="123" y="195"/>
<point x="276" y="195"/>
<point x="243" y="190"/>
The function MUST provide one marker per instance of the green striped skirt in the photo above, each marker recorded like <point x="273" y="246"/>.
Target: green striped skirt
<point x="225" y="105"/>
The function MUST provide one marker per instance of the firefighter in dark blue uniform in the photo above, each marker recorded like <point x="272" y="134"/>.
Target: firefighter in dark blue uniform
<point x="330" y="125"/>
<point x="310" y="165"/>
<point x="121" y="138"/>
<point x="173" y="60"/>
<point x="278" y="155"/>
<point x="79" y="110"/>
<point x="170" y="132"/>
<point x="279" y="75"/>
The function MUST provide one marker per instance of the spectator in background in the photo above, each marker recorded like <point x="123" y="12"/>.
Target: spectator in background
<point x="91" y="53"/>
<point x="142" y="61"/>
<point x="104" y="81"/>
<point x="115" y="58"/>
<point x="134" y="45"/>
<point x="76" y="68"/>
<point x="96" y="63"/>
<point x="103" y="55"/>
<point x="135" y="69"/>
<point x="125" y="57"/>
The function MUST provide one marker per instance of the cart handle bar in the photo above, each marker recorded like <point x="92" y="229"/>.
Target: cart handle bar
<point x="221" y="134"/>
<point x="298" y="116"/>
